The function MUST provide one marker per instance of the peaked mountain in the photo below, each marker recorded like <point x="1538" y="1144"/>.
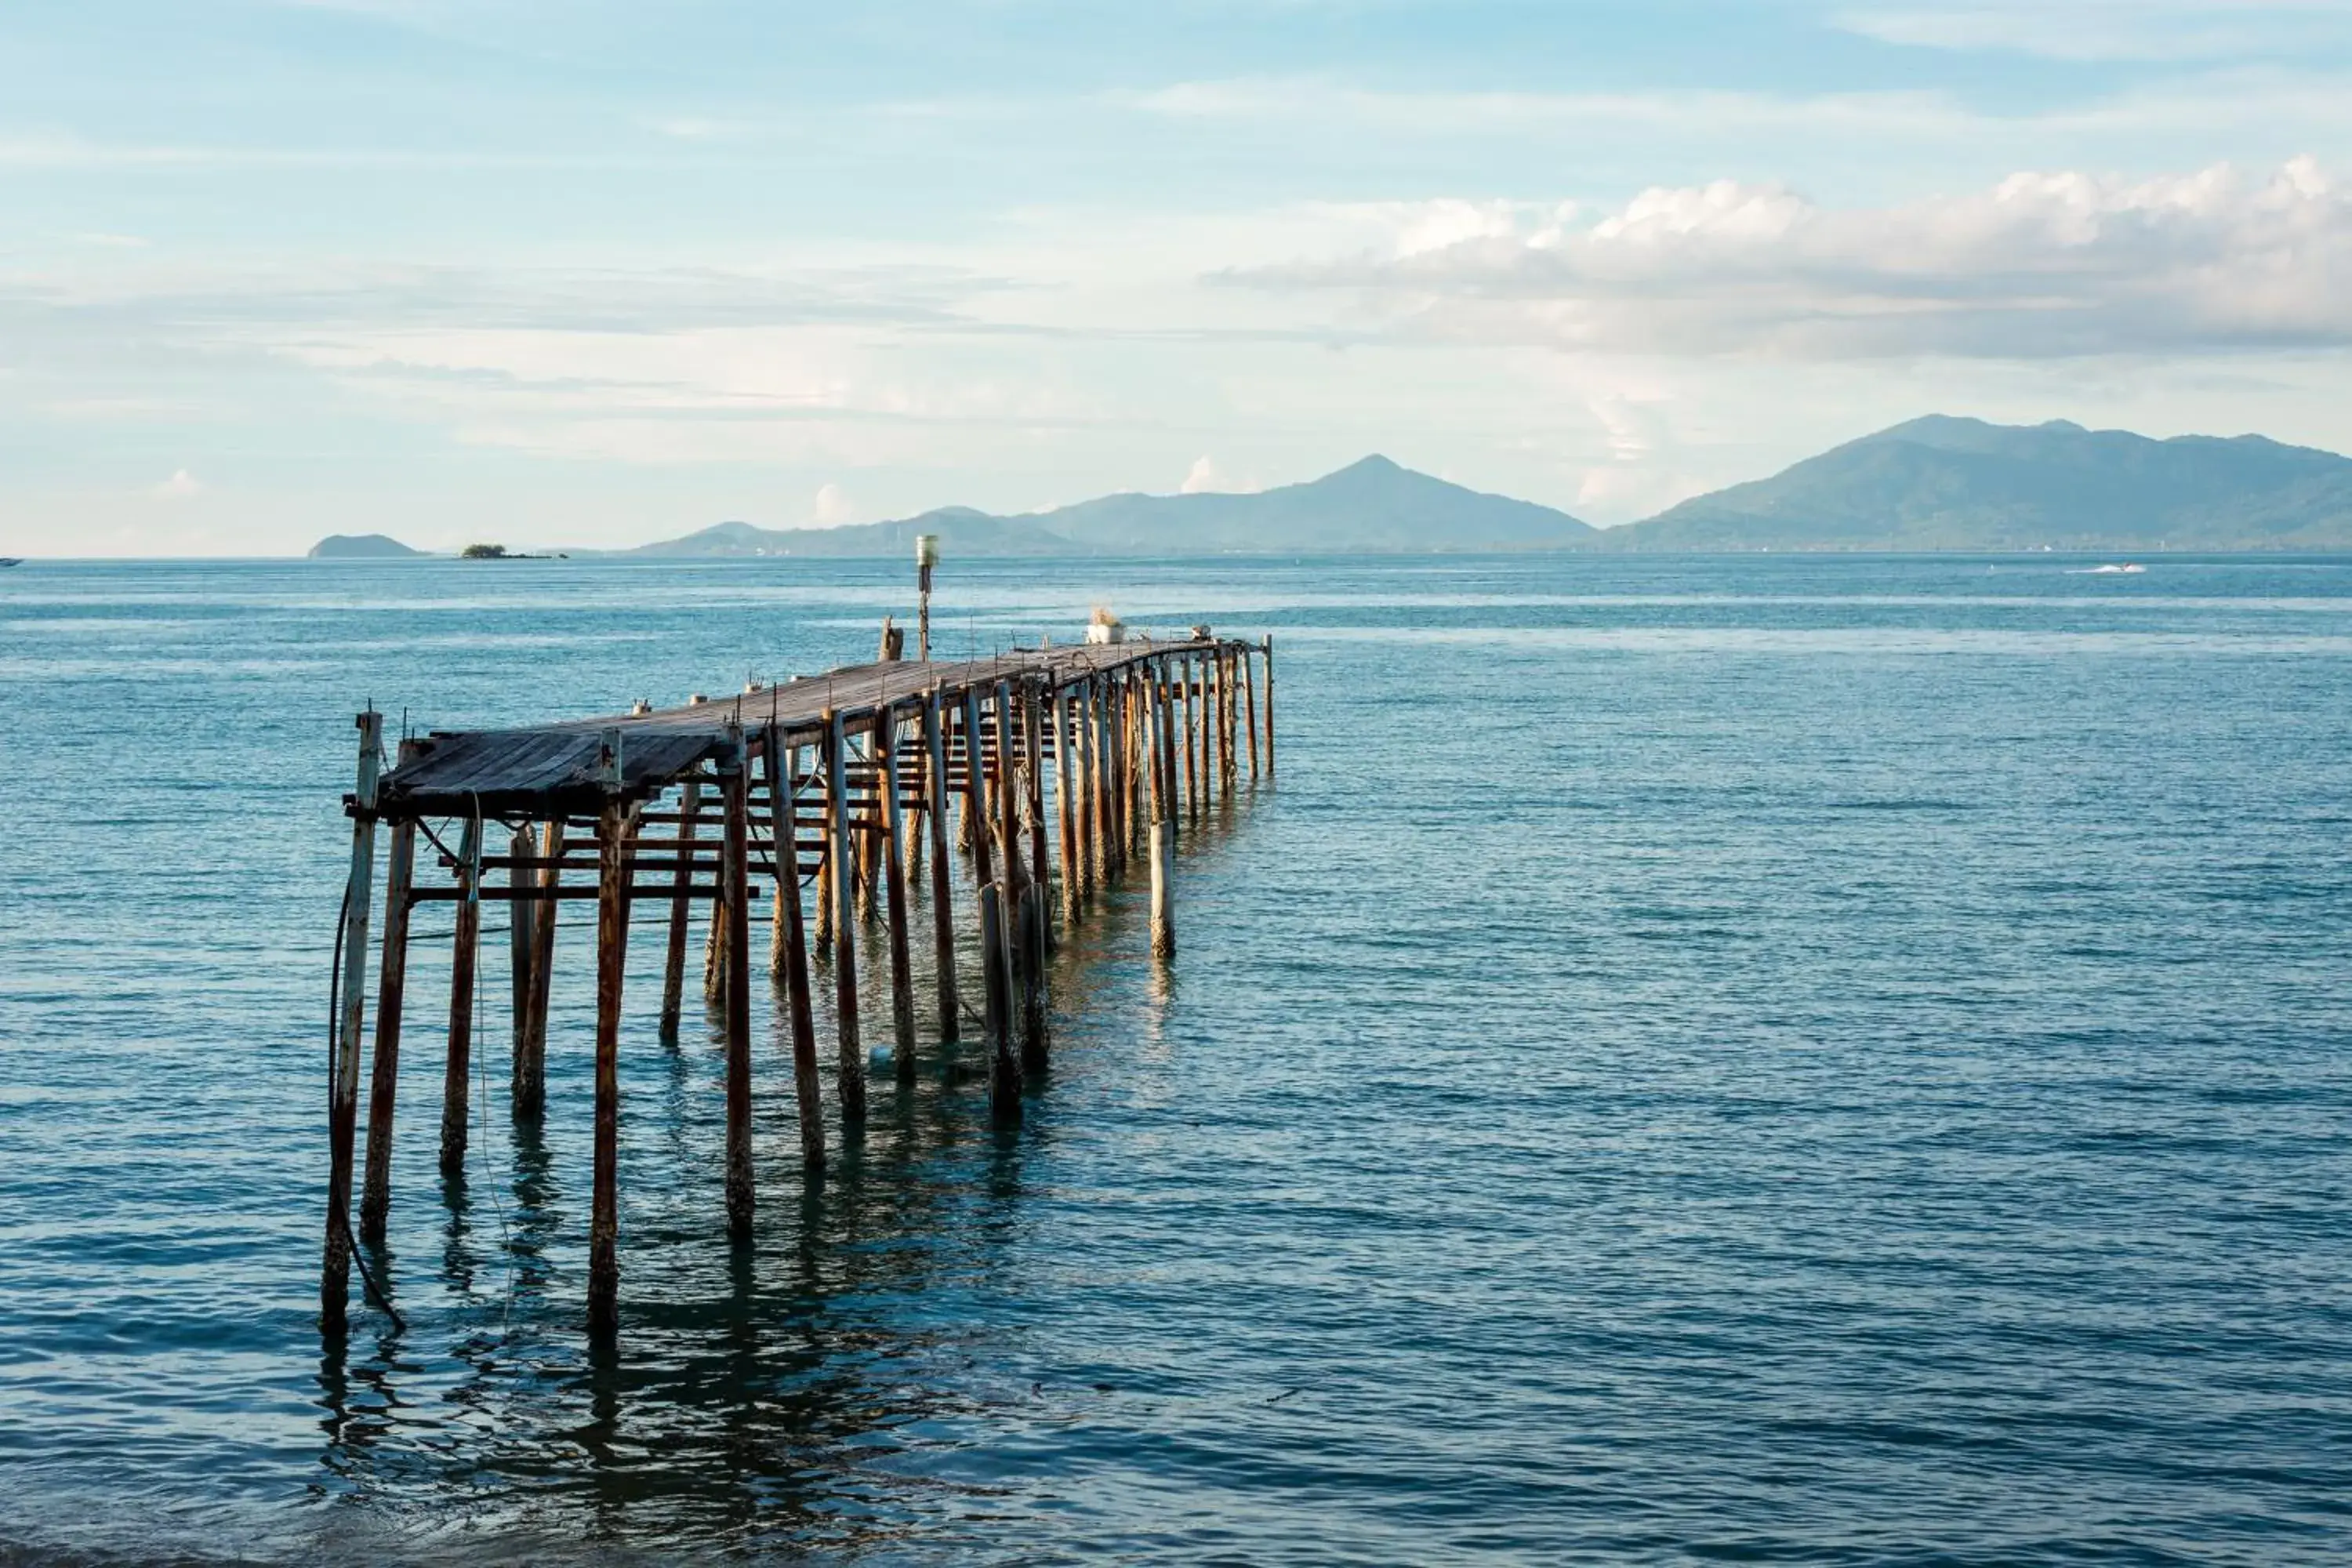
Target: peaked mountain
<point x="362" y="547"/>
<point x="1371" y="505"/>
<point x="1945" y="483"/>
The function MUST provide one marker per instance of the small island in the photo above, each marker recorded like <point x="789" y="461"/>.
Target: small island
<point x="362" y="547"/>
<point x="500" y="553"/>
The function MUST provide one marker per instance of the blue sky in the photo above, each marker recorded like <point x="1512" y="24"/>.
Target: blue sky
<point x="598" y="273"/>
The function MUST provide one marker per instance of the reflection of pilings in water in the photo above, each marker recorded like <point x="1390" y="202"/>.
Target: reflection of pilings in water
<point x="1103" y="738"/>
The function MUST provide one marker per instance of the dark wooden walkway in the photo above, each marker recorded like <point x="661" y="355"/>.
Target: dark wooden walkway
<point x="1065" y="765"/>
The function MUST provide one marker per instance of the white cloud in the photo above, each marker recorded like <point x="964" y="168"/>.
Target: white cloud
<point x="2039" y="266"/>
<point x="830" y="507"/>
<point x="179" y="486"/>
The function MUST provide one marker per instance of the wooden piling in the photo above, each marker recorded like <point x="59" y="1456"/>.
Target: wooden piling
<point x="1003" y="1067"/>
<point x="783" y="817"/>
<point x="343" y="1079"/>
<point x="1032" y="779"/>
<point x="1189" y="666"/>
<point x="1163" y="915"/>
<point x="529" y="1092"/>
<point x="1065" y="818"/>
<point x="1031" y="970"/>
<point x="975" y="788"/>
<point x="734" y="783"/>
<point x="1249" y="699"/>
<point x="521" y="915"/>
<point x="894" y="877"/>
<point x="375" y="1193"/>
<point x="1269" y="705"/>
<point x="1008" y="796"/>
<point x="681" y="913"/>
<point x="457" y="1076"/>
<point x="850" y="1069"/>
<point x="612" y="956"/>
<point x="824" y="861"/>
<point x="942" y="917"/>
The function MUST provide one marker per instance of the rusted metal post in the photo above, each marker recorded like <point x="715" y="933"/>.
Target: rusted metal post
<point x="894" y="875"/>
<point x="681" y="913"/>
<point x="343" y="1081"/>
<point x="782" y="815"/>
<point x="528" y="1093"/>
<point x="850" y="1072"/>
<point x="456" y="1077"/>
<point x="612" y="956"/>
<point x="735" y="786"/>
<point x="392" y="985"/>
<point x="935" y="808"/>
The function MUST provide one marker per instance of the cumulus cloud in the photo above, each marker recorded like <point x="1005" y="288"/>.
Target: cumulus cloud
<point x="179" y="486"/>
<point x="830" y="507"/>
<point x="2040" y="266"/>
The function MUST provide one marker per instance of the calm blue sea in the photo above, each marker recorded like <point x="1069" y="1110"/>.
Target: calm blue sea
<point x="1784" y="1060"/>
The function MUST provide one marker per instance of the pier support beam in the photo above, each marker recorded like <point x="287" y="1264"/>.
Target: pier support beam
<point x="343" y="1081"/>
<point x="935" y="808"/>
<point x="894" y="897"/>
<point x="850" y="1071"/>
<point x="1163" y="913"/>
<point x="1249" y="699"/>
<point x="1188" y="666"/>
<point x="522" y="913"/>
<point x="1059" y="705"/>
<point x="782" y="812"/>
<point x="975" y="788"/>
<point x="681" y="913"/>
<point x="392" y="985"/>
<point x="529" y="1091"/>
<point x="1003" y="1067"/>
<point x="457" y="1076"/>
<point x="1269" y="705"/>
<point x="611" y="961"/>
<point x="735" y="788"/>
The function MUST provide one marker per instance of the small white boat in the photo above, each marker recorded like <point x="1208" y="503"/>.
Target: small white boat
<point x="2116" y="569"/>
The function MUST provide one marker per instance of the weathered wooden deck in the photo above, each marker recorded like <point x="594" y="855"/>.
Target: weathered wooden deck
<point x="839" y="782"/>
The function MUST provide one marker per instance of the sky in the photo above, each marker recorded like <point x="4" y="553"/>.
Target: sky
<point x="552" y="272"/>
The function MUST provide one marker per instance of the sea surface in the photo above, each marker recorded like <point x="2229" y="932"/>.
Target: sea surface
<point x="1773" y="1060"/>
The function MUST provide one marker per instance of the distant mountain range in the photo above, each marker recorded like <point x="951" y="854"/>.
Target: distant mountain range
<point x="1371" y="505"/>
<point x="1936" y="483"/>
<point x="1941" y="483"/>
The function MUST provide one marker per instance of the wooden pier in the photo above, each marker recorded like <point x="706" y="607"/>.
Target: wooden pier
<point x="1063" y="763"/>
